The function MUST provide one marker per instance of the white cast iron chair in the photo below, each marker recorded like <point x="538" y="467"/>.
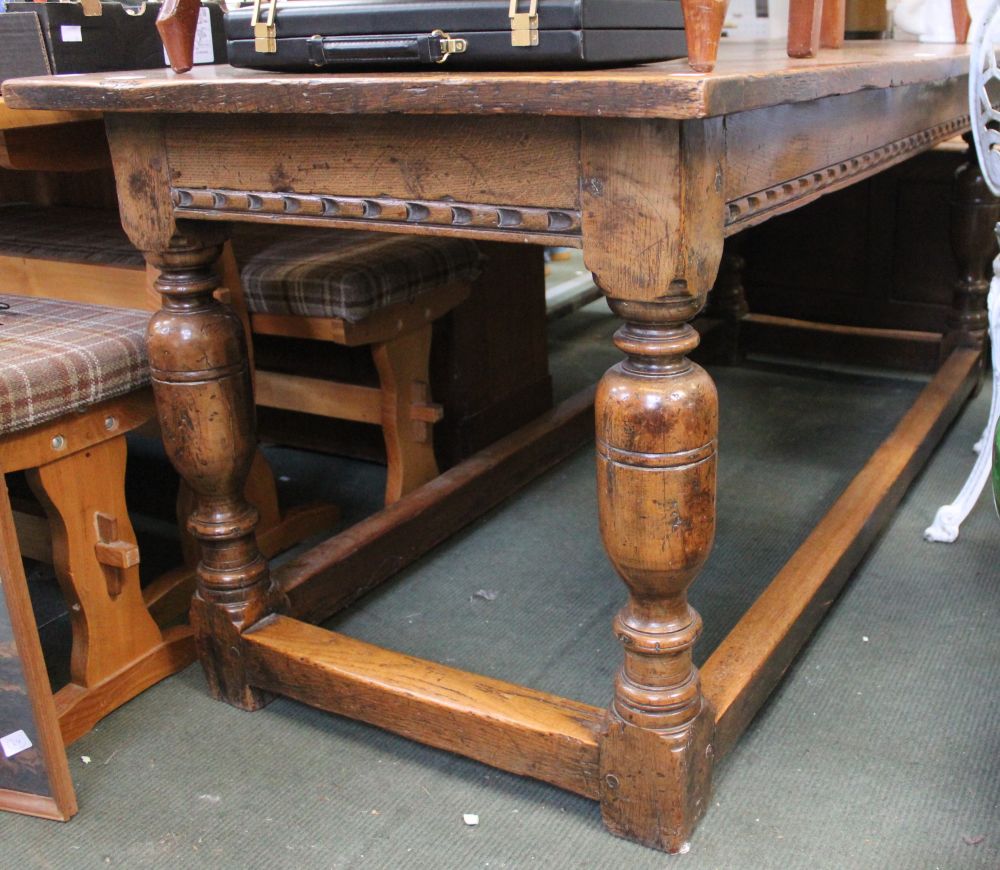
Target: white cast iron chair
<point x="983" y="75"/>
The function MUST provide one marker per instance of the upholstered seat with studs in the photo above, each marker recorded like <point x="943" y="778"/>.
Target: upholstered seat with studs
<point x="58" y="357"/>
<point x="74" y="380"/>
<point x="349" y="275"/>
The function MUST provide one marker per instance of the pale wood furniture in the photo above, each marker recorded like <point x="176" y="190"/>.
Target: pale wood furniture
<point x="383" y="293"/>
<point x="42" y="256"/>
<point x="83" y="255"/>
<point x="56" y="141"/>
<point x="648" y="170"/>
<point x="80" y="372"/>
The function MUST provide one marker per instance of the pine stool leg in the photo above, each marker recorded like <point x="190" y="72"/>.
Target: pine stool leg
<point x="118" y="650"/>
<point x="804" y="22"/>
<point x="703" y="21"/>
<point x="403" y="366"/>
<point x="831" y="33"/>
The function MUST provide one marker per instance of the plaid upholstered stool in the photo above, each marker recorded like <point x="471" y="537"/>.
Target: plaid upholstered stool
<point x="360" y="288"/>
<point x="73" y="380"/>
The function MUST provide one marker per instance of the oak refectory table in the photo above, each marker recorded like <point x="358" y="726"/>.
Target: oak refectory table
<point x="647" y="170"/>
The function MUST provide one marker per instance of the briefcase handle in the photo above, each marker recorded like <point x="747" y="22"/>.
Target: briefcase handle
<point x="435" y="47"/>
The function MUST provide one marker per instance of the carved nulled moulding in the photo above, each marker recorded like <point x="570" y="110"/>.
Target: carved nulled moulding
<point x="756" y="207"/>
<point x="320" y="208"/>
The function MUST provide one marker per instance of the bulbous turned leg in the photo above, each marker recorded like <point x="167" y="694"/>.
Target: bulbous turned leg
<point x="657" y="422"/>
<point x="201" y="380"/>
<point x="974" y="214"/>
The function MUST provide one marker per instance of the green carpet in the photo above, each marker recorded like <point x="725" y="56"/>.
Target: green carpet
<point x="879" y="750"/>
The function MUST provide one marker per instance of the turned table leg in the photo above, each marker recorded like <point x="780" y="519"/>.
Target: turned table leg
<point x="657" y="421"/>
<point x="201" y="380"/>
<point x="728" y="301"/>
<point x="974" y="214"/>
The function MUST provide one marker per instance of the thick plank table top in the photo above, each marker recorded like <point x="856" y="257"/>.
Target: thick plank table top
<point x="647" y="170"/>
<point x="747" y="76"/>
<point x="51" y="139"/>
<point x="15" y="119"/>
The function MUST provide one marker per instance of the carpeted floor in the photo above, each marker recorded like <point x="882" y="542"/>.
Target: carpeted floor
<point x="881" y="749"/>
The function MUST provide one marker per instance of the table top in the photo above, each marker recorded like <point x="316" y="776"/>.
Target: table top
<point x="748" y="76"/>
<point x="17" y="119"/>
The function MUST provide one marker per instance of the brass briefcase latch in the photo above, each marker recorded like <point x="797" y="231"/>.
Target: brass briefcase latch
<point x="449" y="45"/>
<point x="265" y="34"/>
<point x="524" y="25"/>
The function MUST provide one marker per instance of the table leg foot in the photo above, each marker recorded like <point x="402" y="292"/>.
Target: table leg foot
<point x="655" y="785"/>
<point x="657" y="421"/>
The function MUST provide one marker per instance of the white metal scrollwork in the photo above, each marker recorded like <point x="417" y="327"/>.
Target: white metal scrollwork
<point x="982" y="72"/>
<point x="986" y="133"/>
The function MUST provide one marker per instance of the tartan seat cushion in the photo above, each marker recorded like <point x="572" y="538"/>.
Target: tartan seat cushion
<point x="78" y="235"/>
<point x="59" y="357"/>
<point x="345" y="274"/>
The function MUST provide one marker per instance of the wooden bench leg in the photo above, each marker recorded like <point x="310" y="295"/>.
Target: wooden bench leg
<point x="657" y="422"/>
<point x="118" y="650"/>
<point x="25" y="689"/>
<point x="403" y="366"/>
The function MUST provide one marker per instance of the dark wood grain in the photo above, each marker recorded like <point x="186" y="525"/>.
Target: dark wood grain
<point x="657" y="425"/>
<point x="661" y="166"/>
<point x="974" y="215"/>
<point x="746" y="76"/>
<point x="201" y="379"/>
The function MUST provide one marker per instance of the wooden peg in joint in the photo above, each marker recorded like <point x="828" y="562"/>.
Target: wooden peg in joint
<point x="423" y="412"/>
<point x="113" y="553"/>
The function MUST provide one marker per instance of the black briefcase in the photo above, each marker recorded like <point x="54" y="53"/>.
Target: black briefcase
<point x="453" y="34"/>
